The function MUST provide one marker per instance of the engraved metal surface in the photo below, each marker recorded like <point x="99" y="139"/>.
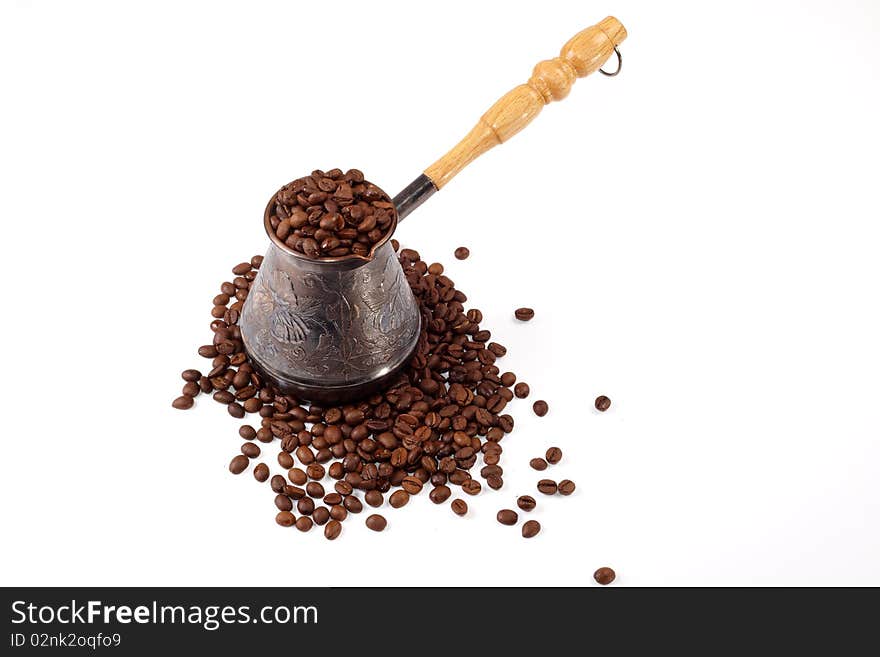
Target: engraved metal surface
<point x="313" y="326"/>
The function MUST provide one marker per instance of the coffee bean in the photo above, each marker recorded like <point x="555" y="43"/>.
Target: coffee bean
<point x="526" y="502"/>
<point x="603" y="404"/>
<point x="411" y="485"/>
<point x="508" y="379"/>
<point x="183" y="402"/>
<point x="471" y="487"/>
<point x="293" y="492"/>
<point x="285" y="518"/>
<point x="343" y="487"/>
<point x="235" y="410"/>
<point x="321" y="515"/>
<point x="374" y="498"/>
<point x="247" y="432"/>
<point x="507" y="517"/>
<point x="285" y="460"/>
<point x="547" y="486"/>
<point x="191" y="375"/>
<point x="314" y="489"/>
<point x="494" y="482"/>
<point x="251" y="450"/>
<point x="462" y="252"/>
<point x="332" y="530"/>
<point x="604" y="576"/>
<point x="303" y="523"/>
<point x="521" y="390"/>
<point x="277" y="483"/>
<point x="261" y="472"/>
<point x="524" y="314"/>
<point x="398" y="499"/>
<point x="283" y="502"/>
<point x="352" y="504"/>
<point x="305" y="506"/>
<point x="459" y="507"/>
<point x="566" y="487"/>
<point x="440" y="494"/>
<point x="531" y="528"/>
<point x="238" y="464"/>
<point x="331" y="499"/>
<point x="338" y="512"/>
<point x="553" y="455"/>
<point x="540" y="407"/>
<point x="376" y="522"/>
<point x="538" y="464"/>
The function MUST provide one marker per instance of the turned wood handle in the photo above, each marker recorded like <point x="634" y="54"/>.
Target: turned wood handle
<point x="551" y="80"/>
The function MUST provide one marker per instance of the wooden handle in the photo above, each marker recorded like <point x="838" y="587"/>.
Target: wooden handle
<point x="551" y="80"/>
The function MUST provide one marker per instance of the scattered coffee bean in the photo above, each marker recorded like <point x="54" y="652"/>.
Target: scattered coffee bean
<point x="604" y="576"/>
<point x="440" y="494"/>
<point x="277" y="483"/>
<point x="526" y="502"/>
<point x="603" y="404"/>
<point x="521" y="390"/>
<point x="398" y="499"/>
<point x="462" y="252"/>
<point x="332" y="530"/>
<point x="247" y="432"/>
<point x="547" y="486"/>
<point x="531" y="528"/>
<point x="507" y="517"/>
<point x="376" y="522"/>
<point x="296" y="476"/>
<point x="321" y="515"/>
<point x="285" y="518"/>
<point x="190" y="389"/>
<point x="285" y="460"/>
<point x="494" y="482"/>
<point x="540" y="407"/>
<point x="471" y="487"/>
<point x="524" y="314"/>
<point x="238" y="464"/>
<point x="459" y="507"/>
<point x="352" y="504"/>
<point x="283" y="502"/>
<point x="261" y="472"/>
<point x="566" y="487"/>
<point x="374" y="498"/>
<point x="251" y="450"/>
<point x="538" y="464"/>
<point x="315" y="489"/>
<point x="303" y="523"/>
<point x="183" y="402"/>
<point x="553" y="455"/>
<point x="191" y="375"/>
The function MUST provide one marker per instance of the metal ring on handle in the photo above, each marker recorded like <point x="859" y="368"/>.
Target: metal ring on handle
<point x="619" y="64"/>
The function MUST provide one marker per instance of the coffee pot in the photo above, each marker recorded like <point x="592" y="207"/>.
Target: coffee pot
<point x="332" y="330"/>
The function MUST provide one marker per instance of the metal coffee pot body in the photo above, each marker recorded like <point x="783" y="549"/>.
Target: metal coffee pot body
<point x="329" y="330"/>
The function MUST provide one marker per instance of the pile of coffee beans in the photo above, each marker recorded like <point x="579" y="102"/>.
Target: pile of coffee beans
<point x="331" y="214"/>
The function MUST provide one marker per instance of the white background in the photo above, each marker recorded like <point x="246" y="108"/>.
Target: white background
<point x="698" y="237"/>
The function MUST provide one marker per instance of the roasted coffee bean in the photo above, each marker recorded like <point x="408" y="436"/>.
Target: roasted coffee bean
<point x="321" y="515"/>
<point x="261" y="472"/>
<point x="305" y="506"/>
<point x="247" y="432"/>
<point x="285" y="518"/>
<point x="604" y="576"/>
<point x="238" y="464"/>
<point x="352" y="504"/>
<point x="462" y="252"/>
<point x="293" y="492"/>
<point x="398" y="499"/>
<point x="190" y="389"/>
<point x="603" y="404"/>
<point x="332" y="530"/>
<point x="540" y="407"/>
<point x="295" y="475"/>
<point x="235" y="410"/>
<point x="553" y="455"/>
<point x="374" y="498"/>
<point x="277" y="483"/>
<point x="251" y="450"/>
<point x="531" y="528"/>
<point x="440" y="494"/>
<point x="343" y="487"/>
<point x="508" y="379"/>
<point x="315" y="471"/>
<point x="566" y="487"/>
<point x="303" y="523"/>
<point x="538" y="464"/>
<point x="283" y="502"/>
<point x="285" y="460"/>
<point x="241" y="269"/>
<point x="547" y="486"/>
<point x="471" y="487"/>
<point x="524" y="314"/>
<point x="191" y="375"/>
<point x="411" y="485"/>
<point x="314" y="489"/>
<point x="331" y="499"/>
<point x="526" y="502"/>
<point x="459" y="507"/>
<point x="338" y="512"/>
<point x="183" y="402"/>
<point x="521" y="390"/>
<point x="494" y="482"/>
<point x="376" y="522"/>
<point x="507" y="517"/>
